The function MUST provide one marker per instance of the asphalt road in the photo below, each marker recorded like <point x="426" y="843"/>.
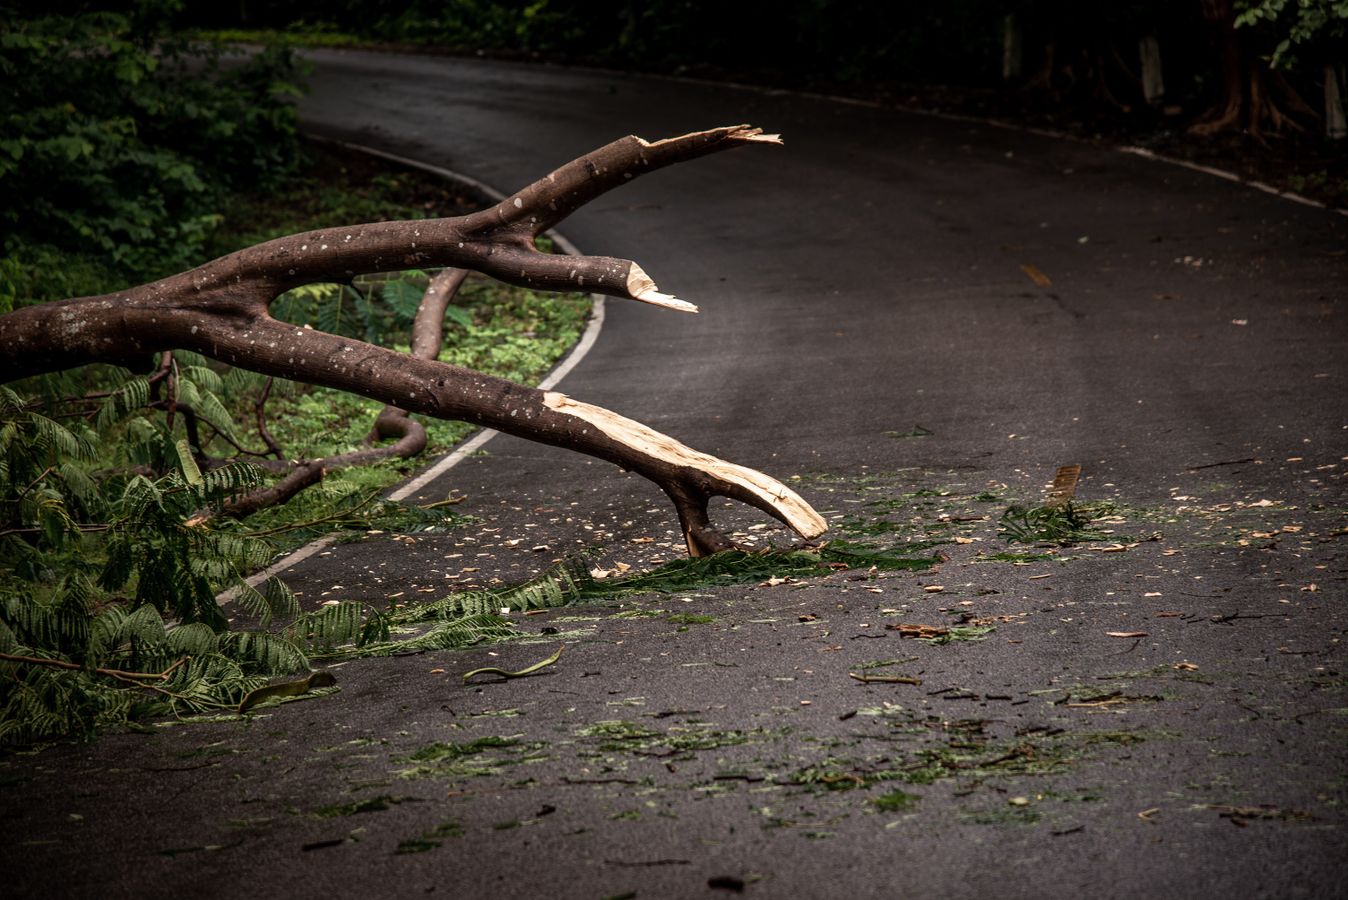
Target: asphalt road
<point x="917" y="320"/>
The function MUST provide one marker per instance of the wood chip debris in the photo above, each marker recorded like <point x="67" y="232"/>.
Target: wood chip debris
<point x="1034" y="273"/>
<point x="884" y="679"/>
<point x="908" y="630"/>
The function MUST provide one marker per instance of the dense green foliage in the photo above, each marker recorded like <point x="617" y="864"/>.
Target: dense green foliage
<point x="1309" y="28"/>
<point x="119" y="146"/>
<point x="128" y="155"/>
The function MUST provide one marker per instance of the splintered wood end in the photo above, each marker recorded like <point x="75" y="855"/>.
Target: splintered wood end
<point x="740" y="133"/>
<point x="640" y="287"/>
<point x="784" y="502"/>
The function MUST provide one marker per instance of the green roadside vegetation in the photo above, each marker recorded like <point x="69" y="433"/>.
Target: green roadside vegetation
<point x="129" y="155"/>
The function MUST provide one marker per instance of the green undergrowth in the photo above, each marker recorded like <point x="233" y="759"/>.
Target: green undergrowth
<point x="167" y="659"/>
<point x="109" y="565"/>
<point x="500" y="330"/>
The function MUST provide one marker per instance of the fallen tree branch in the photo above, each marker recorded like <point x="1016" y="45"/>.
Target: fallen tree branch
<point x="220" y="310"/>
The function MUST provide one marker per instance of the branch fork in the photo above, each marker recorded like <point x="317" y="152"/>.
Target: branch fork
<point x="221" y="310"/>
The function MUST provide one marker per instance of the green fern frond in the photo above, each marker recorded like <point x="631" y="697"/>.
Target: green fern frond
<point x="254" y="604"/>
<point x="403" y="299"/>
<point x="202" y="376"/>
<point x="281" y="599"/>
<point x="38" y="703"/>
<point x="131" y="395"/>
<point x="560" y="585"/>
<point x="231" y="479"/>
<point x="80" y="486"/>
<point x="330" y="627"/>
<point x="11" y="404"/>
<point x="55" y="440"/>
<point x="142" y="628"/>
<point x="265" y="652"/>
<point x="213" y="410"/>
<point x="449" y="635"/>
<point x="186" y="462"/>
<point x="9" y="641"/>
<point x="188" y="393"/>
<point x="193" y="639"/>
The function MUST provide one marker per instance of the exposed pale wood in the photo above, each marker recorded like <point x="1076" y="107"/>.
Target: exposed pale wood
<point x="640" y="286"/>
<point x="792" y="510"/>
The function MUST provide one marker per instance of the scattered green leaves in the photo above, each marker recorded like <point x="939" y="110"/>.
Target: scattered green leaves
<point x="1065" y="524"/>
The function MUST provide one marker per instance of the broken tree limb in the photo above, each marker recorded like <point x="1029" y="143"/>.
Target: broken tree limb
<point x="220" y="310"/>
<point x="498" y="242"/>
<point x="749" y="486"/>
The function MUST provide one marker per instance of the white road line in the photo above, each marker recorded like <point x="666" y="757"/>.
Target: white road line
<point x="1229" y="176"/>
<point x="765" y="90"/>
<point x="445" y="463"/>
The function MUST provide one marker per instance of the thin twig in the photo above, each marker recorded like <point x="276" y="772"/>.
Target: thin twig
<point x="260" y="412"/>
<point x="43" y="474"/>
<point x="281" y="529"/>
<point x="79" y="528"/>
<point x="119" y="674"/>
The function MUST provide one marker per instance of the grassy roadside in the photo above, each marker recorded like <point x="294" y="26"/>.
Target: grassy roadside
<point x="497" y="329"/>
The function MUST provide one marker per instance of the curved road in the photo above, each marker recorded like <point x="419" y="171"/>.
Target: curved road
<point x="1163" y="719"/>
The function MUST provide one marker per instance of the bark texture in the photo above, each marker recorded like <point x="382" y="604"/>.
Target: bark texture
<point x="221" y="311"/>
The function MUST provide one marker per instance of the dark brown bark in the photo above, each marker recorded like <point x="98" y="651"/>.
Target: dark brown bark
<point x="221" y="311"/>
